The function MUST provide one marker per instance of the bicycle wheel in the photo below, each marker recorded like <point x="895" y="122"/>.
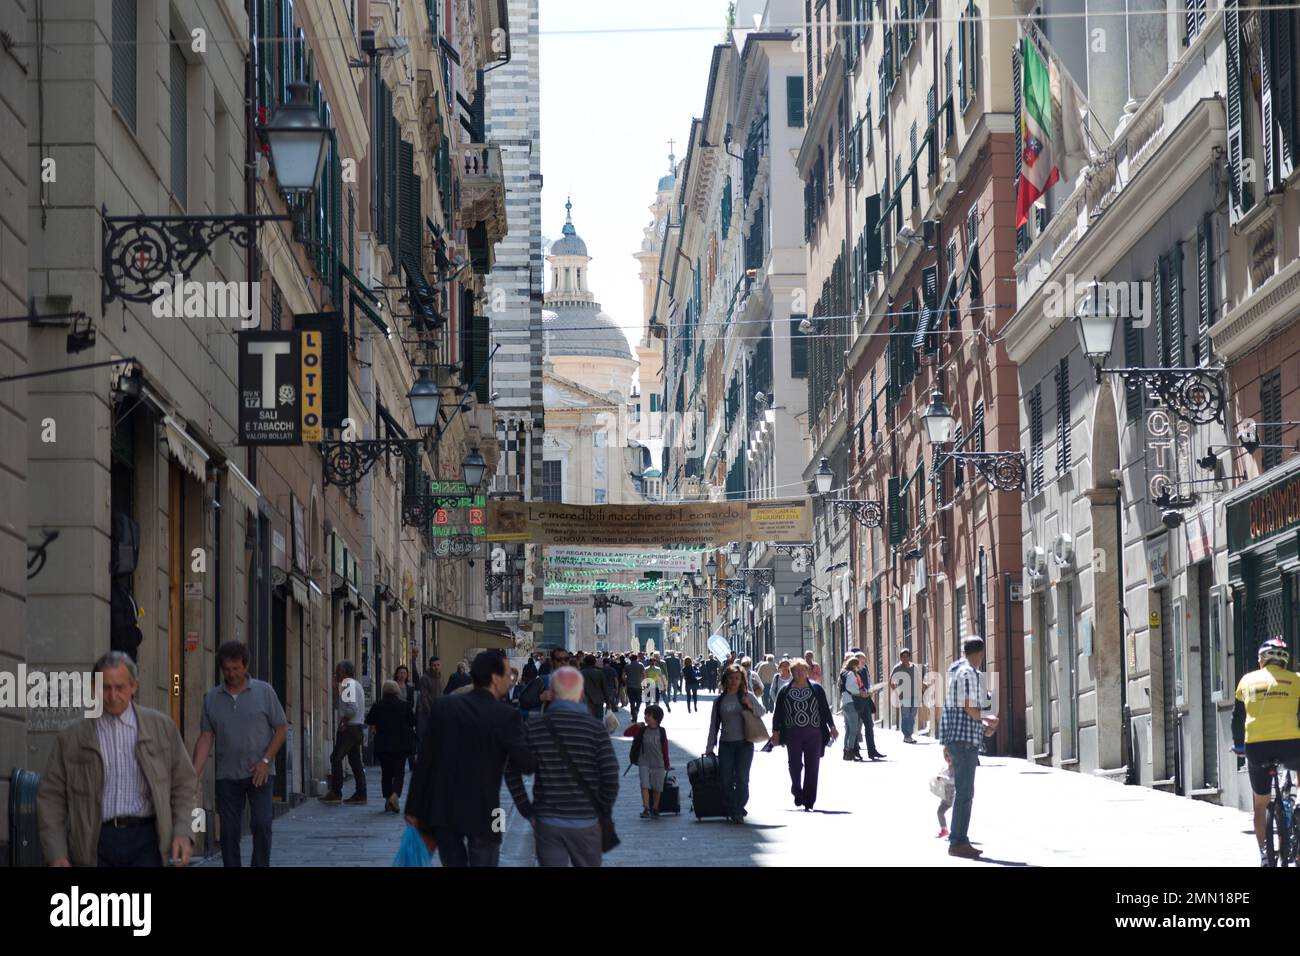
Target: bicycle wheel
<point x="1274" y="836"/>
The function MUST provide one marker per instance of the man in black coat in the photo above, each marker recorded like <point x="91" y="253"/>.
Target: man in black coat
<point x="455" y="794"/>
<point x="593" y="679"/>
<point x="674" y="665"/>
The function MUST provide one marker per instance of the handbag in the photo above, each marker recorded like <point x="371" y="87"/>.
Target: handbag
<point x="608" y="837"/>
<point x="755" y="729"/>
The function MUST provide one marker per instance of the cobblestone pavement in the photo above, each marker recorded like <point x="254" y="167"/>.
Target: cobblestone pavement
<point x="867" y="813"/>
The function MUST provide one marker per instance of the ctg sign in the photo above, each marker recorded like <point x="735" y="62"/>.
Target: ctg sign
<point x="280" y="387"/>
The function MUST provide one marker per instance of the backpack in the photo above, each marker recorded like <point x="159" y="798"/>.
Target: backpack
<point x="531" y="698"/>
<point x="124" y="551"/>
<point x="125" y="632"/>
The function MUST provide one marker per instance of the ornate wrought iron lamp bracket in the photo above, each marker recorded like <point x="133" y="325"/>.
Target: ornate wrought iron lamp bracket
<point x="140" y="251"/>
<point x="869" y="513"/>
<point x="347" y="462"/>
<point x="1195" y="395"/>
<point x="1005" y="470"/>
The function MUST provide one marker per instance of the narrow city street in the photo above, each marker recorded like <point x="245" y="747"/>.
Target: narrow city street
<point x="879" y="814"/>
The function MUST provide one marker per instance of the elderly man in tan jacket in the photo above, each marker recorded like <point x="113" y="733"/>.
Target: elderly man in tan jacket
<point x="119" y="788"/>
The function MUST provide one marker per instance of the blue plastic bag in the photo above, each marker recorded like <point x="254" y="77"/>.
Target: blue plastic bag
<point x="412" y="851"/>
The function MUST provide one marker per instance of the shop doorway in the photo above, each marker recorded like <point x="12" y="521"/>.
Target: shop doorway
<point x="1209" y="712"/>
<point x="1067" y="661"/>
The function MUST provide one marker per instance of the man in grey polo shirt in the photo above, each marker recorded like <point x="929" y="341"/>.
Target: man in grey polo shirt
<point x="246" y="719"/>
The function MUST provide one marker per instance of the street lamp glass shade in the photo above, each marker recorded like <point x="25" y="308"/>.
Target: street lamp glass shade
<point x="699" y="579"/>
<point x="520" y="562"/>
<point x="825" y="477"/>
<point x="425" y="399"/>
<point x="472" y="469"/>
<point x="1096" y="333"/>
<point x="712" y="567"/>
<point x="297" y="139"/>
<point x="938" y="420"/>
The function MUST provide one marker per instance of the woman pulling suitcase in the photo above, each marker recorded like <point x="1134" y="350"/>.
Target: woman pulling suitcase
<point x="728" y="732"/>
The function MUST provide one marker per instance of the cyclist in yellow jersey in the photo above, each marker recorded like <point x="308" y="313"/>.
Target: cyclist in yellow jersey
<point x="1266" y="725"/>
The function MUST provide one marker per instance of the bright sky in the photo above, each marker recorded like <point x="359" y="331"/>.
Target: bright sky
<point x="610" y="102"/>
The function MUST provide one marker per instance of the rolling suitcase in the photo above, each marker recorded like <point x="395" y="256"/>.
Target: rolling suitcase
<point x="670" y="801"/>
<point x="706" y="788"/>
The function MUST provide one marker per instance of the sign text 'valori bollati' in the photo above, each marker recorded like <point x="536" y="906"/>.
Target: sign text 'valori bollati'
<point x="190" y="299"/>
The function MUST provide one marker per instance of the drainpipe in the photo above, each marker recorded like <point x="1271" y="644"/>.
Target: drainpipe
<point x="261" y="572"/>
<point x="1126" y="716"/>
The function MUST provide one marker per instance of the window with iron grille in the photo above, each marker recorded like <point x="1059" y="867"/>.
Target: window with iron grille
<point x="124" y="59"/>
<point x="552" y="481"/>
<point x="1036" y="439"/>
<point x="1063" y="416"/>
<point x="1270" y="413"/>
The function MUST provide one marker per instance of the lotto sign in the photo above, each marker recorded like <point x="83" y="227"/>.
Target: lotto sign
<point x="312" y="390"/>
<point x="270" y="388"/>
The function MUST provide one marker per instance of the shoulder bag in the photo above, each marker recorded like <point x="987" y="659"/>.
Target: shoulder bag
<point x="608" y="837"/>
<point x="755" y="729"/>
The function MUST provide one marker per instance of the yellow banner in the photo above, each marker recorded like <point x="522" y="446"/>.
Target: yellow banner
<point x="707" y="523"/>
<point x="311" y="387"/>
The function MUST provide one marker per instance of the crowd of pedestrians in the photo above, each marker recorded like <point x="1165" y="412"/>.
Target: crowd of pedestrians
<point x="485" y="724"/>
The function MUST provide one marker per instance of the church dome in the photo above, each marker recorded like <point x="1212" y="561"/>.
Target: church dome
<point x="580" y="328"/>
<point x="667" y="182"/>
<point x="569" y="243"/>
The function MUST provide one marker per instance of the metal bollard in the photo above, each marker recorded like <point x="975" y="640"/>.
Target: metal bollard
<point x="24" y="835"/>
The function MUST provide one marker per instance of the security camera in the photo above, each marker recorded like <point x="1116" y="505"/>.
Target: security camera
<point x="805" y="326"/>
<point x="760" y="397"/>
<point x="1171" y="518"/>
<point x="494" y="396"/>
<point x="906" y="232"/>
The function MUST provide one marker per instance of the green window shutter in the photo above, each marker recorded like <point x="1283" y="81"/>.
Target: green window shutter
<point x="479" y="350"/>
<point x="895" y="510"/>
<point x="1036" y="455"/>
<point x="1204" y="287"/>
<point x="1241" y="189"/>
<point x="407" y="208"/>
<point x="1174" y="306"/>
<point x="876" y="240"/>
<point x="725" y="212"/>
<point x="1160" y="306"/>
<point x="1063" y="457"/>
<point x="1284" y="81"/>
<point x="1133" y="358"/>
<point x="794" y="101"/>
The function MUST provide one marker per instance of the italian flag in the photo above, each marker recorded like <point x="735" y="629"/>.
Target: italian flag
<point x="1038" y="170"/>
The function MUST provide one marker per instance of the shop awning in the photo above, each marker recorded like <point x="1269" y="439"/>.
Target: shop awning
<point x="458" y="636"/>
<point x="188" y="453"/>
<point x="241" y="489"/>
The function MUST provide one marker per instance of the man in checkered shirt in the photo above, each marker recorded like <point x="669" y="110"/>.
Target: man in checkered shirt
<point x="961" y="728"/>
